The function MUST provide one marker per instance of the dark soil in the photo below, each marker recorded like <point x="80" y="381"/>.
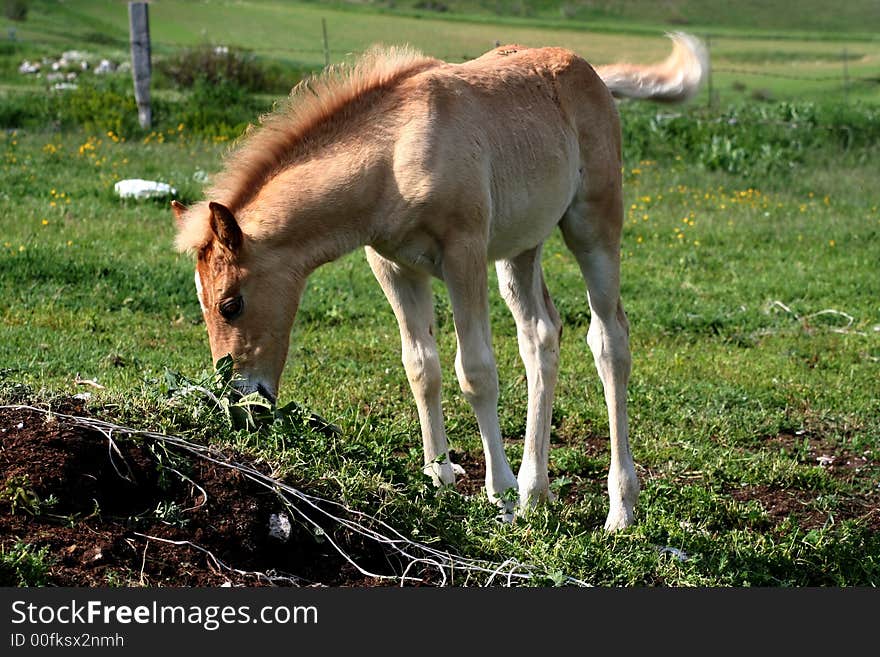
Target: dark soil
<point x="473" y="482"/>
<point x="812" y="510"/>
<point x="840" y="462"/>
<point x="801" y="506"/>
<point x="109" y="518"/>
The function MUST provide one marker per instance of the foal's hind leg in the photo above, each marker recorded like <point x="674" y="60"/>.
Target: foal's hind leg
<point x="411" y="298"/>
<point x="538" y="327"/>
<point x="464" y="271"/>
<point x="592" y="232"/>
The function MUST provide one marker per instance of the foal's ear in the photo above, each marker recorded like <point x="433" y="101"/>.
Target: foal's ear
<point x="225" y="227"/>
<point x="179" y="209"/>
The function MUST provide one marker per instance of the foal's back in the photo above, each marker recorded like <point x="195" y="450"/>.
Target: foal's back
<point x="498" y="146"/>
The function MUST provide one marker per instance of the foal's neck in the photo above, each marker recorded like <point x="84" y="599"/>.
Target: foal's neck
<point x="316" y="212"/>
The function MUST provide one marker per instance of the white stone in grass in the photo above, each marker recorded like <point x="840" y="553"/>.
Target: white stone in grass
<point x="679" y="555"/>
<point x="138" y="188"/>
<point x="75" y="56"/>
<point x="279" y="527"/>
<point x="104" y="67"/>
<point x="29" y="67"/>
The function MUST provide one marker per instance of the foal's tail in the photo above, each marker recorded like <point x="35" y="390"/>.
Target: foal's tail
<point x="677" y="78"/>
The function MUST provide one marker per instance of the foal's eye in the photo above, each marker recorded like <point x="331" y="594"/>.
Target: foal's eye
<point x="231" y="308"/>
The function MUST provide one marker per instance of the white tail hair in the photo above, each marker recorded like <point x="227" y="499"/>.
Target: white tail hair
<point x="678" y="78"/>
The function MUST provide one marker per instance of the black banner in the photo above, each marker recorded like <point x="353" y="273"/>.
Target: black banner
<point x="410" y="620"/>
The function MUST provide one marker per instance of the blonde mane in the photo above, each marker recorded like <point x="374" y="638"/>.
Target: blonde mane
<point x="264" y="149"/>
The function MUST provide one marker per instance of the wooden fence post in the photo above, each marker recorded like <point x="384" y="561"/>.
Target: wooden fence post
<point x="709" y="88"/>
<point x="139" y="35"/>
<point x="326" y="43"/>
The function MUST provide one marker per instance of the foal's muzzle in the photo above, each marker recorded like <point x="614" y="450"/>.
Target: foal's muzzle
<point x="243" y="388"/>
<point x="265" y="392"/>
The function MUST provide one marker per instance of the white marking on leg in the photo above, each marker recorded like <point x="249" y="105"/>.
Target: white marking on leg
<point x="466" y="280"/>
<point x="608" y="338"/>
<point x="591" y="232"/>
<point x="538" y="326"/>
<point x="411" y="299"/>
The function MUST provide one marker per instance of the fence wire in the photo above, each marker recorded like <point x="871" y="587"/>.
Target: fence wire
<point x="802" y="78"/>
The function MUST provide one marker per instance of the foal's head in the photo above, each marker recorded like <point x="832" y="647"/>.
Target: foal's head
<point x="246" y="300"/>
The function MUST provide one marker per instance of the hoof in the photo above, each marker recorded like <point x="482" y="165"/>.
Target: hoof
<point x="534" y="492"/>
<point x="505" y="517"/>
<point x="619" y="518"/>
<point x="504" y="497"/>
<point x="441" y="474"/>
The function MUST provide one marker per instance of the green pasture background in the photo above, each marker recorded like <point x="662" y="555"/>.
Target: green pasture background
<point x="750" y="276"/>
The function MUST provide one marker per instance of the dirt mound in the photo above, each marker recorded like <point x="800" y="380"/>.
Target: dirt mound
<point x="111" y="510"/>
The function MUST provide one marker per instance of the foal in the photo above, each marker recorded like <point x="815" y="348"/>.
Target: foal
<point x="437" y="169"/>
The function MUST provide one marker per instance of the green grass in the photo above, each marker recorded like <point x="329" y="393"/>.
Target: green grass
<point x="749" y="277"/>
<point x="858" y="17"/>
<point x="722" y="372"/>
<point x="772" y="61"/>
<point x="23" y="565"/>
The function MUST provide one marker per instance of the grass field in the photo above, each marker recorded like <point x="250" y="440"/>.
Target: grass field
<point x="753" y="300"/>
<point x="804" y="60"/>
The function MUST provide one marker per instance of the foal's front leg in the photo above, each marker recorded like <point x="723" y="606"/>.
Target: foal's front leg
<point x="464" y="271"/>
<point x="411" y="298"/>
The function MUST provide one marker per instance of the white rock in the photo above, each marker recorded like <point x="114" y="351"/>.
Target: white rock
<point x="74" y="55"/>
<point x="279" y="527"/>
<point x="105" y="66"/>
<point x="677" y="554"/>
<point x="139" y="188"/>
<point x="29" y="67"/>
